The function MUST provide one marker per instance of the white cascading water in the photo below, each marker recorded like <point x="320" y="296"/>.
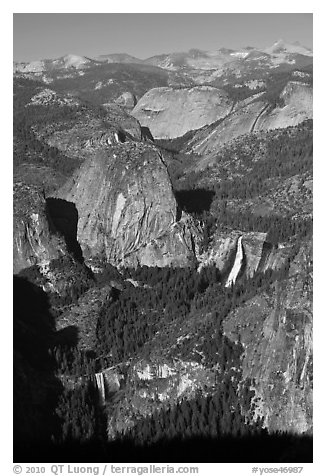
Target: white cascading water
<point x="236" y="265"/>
<point x="100" y="385"/>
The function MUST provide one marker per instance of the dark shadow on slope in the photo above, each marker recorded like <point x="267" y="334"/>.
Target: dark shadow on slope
<point x="36" y="388"/>
<point x="64" y="216"/>
<point x="33" y="323"/>
<point x="146" y="134"/>
<point x="263" y="448"/>
<point x="40" y="400"/>
<point x="122" y="136"/>
<point x="67" y="337"/>
<point x="194" y="201"/>
<point x="179" y="212"/>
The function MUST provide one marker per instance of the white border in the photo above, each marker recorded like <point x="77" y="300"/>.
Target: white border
<point x="319" y="198"/>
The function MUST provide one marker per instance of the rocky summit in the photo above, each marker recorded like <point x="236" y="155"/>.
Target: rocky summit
<point x="127" y="211"/>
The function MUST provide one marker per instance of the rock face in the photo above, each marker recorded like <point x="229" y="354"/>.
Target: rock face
<point x="48" y="97"/>
<point x="276" y="332"/>
<point x="34" y="239"/>
<point x="127" y="210"/>
<point x="297" y="107"/>
<point x="127" y="100"/>
<point x="208" y="140"/>
<point x="170" y="113"/>
<point x="257" y="115"/>
<point x="120" y="117"/>
<point x="155" y="384"/>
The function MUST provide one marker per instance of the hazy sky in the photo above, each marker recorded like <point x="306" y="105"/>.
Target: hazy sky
<point x="50" y="35"/>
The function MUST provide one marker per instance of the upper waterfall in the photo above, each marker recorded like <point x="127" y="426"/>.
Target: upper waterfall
<point x="236" y="265"/>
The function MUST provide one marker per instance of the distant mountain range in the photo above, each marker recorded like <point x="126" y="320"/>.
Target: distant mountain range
<point x="106" y="78"/>
<point x="279" y="52"/>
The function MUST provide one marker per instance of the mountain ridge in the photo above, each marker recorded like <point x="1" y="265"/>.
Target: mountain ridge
<point x="77" y="61"/>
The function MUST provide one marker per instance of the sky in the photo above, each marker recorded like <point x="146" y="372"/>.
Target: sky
<point x="51" y="35"/>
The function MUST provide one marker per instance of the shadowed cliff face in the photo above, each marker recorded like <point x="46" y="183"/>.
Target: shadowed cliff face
<point x="34" y="238"/>
<point x="64" y="216"/>
<point x="127" y="209"/>
<point x="36" y="386"/>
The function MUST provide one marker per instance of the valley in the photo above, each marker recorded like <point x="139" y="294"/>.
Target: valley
<point x="163" y="228"/>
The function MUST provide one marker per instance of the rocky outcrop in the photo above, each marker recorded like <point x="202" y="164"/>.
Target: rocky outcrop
<point x="34" y="239"/>
<point x="210" y="139"/>
<point x="127" y="100"/>
<point x="127" y="210"/>
<point x="170" y="113"/>
<point x="298" y="106"/>
<point x="178" y="246"/>
<point x="124" y="121"/>
<point x="275" y="330"/>
<point x="154" y="384"/>
<point x="48" y="97"/>
<point x="257" y="115"/>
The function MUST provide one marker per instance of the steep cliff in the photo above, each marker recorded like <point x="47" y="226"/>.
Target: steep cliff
<point x="297" y="106"/>
<point x="275" y="329"/>
<point x="171" y="112"/>
<point x="34" y="239"/>
<point x="127" y="210"/>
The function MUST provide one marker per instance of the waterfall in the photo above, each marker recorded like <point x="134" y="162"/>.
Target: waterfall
<point x="236" y="265"/>
<point x="100" y="385"/>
